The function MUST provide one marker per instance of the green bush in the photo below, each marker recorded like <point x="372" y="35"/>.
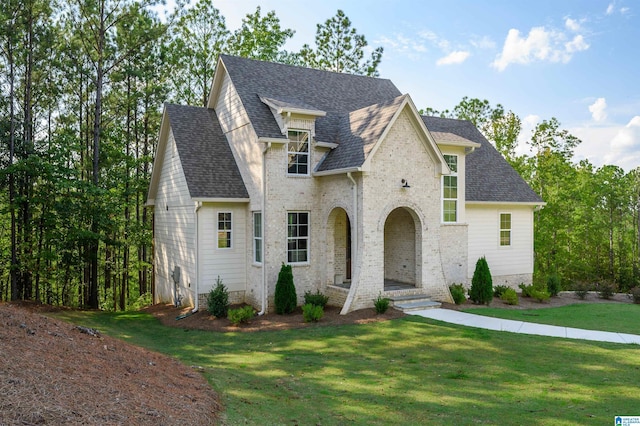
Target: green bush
<point x="286" y="299"/>
<point x="635" y="294"/>
<point x="458" y="293"/>
<point x="381" y="304"/>
<point x="241" y="315"/>
<point x="540" y="295"/>
<point x="312" y="313"/>
<point x="499" y="290"/>
<point x="218" y="300"/>
<point x="581" y="290"/>
<point x="606" y="289"/>
<point x="509" y="296"/>
<point x="317" y="298"/>
<point x="553" y="285"/>
<point x="481" y="291"/>
<point x="526" y="289"/>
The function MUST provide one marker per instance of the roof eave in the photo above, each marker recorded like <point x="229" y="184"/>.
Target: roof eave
<point x="337" y="171"/>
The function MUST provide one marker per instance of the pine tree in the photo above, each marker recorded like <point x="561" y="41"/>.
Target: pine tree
<point x="285" y="297"/>
<point x="481" y="291"/>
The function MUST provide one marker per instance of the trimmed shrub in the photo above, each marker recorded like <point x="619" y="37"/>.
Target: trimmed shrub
<point x="218" y="300"/>
<point x="481" y="291"/>
<point x="581" y="290"/>
<point x="499" y="290"/>
<point x="540" y="295"/>
<point x="312" y="313"/>
<point x="509" y="296"/>
<point x="635" y="294"/>
<point x="606" y="289"/>
<point x="317" y="298"/>
<point x="553" y="285"/>
<point x="286" y="299"/>
<point x="458" y="293"/>
<point x="381" y="304"/>
<point x="241" y="315"/>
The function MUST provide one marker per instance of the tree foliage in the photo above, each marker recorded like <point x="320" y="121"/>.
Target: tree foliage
<point x="286" y="299"/>
<point x="481" y="290"/>
<point x="340" y="48"/>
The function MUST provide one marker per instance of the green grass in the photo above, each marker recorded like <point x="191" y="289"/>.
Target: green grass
<point x="614" y="317"/>
<point x="407" y="371"/>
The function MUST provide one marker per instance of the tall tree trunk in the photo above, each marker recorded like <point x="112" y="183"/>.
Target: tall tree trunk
<point x="12" y="189"/>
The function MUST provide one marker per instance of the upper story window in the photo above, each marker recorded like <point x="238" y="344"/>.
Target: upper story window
<point x="505" y="229"/>
<point x="298" y="152"/>
<point x="450" y="191"/>
<point x="224" y="229"/>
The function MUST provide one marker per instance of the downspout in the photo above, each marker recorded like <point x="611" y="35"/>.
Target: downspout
<point x="264" y="230"/>
<point x="196" y="304"/>
<point x="354" y="246"/>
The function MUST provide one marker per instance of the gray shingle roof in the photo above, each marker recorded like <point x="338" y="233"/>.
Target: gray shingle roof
<point x="358" y="132"/>
<point x="207" y="161"/>
<point x="488" y="175"/>
<point x="335" y="93"/>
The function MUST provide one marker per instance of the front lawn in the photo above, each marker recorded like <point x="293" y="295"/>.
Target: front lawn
<point x="407" y="371"/>
<point x="614" y="317"/>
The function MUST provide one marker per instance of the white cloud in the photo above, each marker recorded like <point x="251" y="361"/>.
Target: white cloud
<point x="484" y="42"/>
<point x="456" y="57"/>
<point x="572" y="24"/>
<point x="610" y="9"/>
<point x="597" y="109"/>
<point x="539" y="45"/>
<point x="628" y="138"/>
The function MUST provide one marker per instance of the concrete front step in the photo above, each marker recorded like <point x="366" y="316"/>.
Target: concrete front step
<point x="414" y="302"/>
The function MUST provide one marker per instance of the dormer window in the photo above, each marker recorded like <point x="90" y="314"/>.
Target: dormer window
<point x="298" y="152"/>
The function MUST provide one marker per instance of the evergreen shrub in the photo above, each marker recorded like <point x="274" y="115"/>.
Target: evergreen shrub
<point x="241" y="315"/>
<point x="481" y="291"/>
<point x="312" y="313"/>
<point x="381" y="304"/>
<point x="218" y="300"/>
<point x="553" y="285"/>
<point x="286" y="299"/>
<point x="317" y="298"/>
<point x="458" y="293"/>
<point x="509" y="296"/>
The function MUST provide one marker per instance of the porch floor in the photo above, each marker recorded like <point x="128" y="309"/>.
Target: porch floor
<point x="389" y="285"/>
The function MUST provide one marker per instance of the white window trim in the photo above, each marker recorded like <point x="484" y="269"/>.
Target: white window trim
<point x="500" y="245"/>
<point x="218" y="230"/>
<point x="308" y="238"/>
<point x="443" y="199"/>
<point x="256" y="239"/>
<point x="290" y="152"/>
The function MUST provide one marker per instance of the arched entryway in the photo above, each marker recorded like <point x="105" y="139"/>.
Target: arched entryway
<point x="402" y="248"/>
<point x="339" y="247"/>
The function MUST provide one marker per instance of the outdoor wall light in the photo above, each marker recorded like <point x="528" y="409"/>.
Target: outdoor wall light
<point x="405" y="184"/>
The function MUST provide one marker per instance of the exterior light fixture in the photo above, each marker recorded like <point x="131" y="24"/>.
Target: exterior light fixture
<point x="405" y="184"/>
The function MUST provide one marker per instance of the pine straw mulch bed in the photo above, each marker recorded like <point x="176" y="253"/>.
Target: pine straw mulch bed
<point x="54" y="373"/>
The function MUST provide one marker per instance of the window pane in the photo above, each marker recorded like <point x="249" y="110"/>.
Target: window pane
<point x="297" y="237"/>
<point x="298" y="152"/>
<point x="224" y="229"/>
<point x="452" y="162"/>
<point x="449" y="210"/>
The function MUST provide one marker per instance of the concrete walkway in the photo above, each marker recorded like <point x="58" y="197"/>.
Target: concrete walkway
<point x="489" y="323"/>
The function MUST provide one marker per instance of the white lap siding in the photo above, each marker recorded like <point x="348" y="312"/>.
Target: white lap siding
<point x="227" y="263"/>
<point x="509" y="265"/>
<point x="174" y="230"/>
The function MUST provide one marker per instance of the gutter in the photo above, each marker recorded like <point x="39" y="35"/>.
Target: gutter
<point x="196" y="304"/>
<point x="354" y="246"/>
<point x="263" y="301"/>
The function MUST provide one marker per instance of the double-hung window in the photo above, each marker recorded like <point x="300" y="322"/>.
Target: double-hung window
<point x="257" y="237"/>
<point x="224" y="229"/>
<point x="297" y="237"/>
<point x="298" y="152"/>
<point x="505" y="229"/>
<point x="450" y="191"/>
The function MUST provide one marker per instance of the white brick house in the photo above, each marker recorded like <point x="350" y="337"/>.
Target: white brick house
<point x="337" y="175"/>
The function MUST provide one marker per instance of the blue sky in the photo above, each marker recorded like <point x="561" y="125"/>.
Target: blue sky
<point x="576" y="60"/>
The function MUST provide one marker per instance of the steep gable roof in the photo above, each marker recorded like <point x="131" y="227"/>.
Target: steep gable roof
<point x="489" y="177"/>
<point x="332" y="92"/>
<point x="207" y="160"/>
